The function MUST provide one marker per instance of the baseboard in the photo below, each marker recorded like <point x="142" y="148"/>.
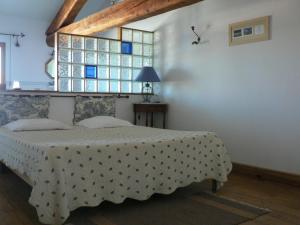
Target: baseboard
<point x="267" y="174"/>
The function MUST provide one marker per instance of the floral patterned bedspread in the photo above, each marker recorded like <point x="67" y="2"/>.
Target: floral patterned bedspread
<point x="84" y="167"/>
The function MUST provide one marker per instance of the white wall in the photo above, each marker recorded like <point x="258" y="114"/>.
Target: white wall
<point x="248" y="94"/>
<point x="26" y="63"/>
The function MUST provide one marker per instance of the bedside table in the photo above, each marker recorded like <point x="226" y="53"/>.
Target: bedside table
<point x="150" y="108"/>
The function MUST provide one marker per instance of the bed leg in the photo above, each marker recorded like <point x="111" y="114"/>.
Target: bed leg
<point x="214" y="186"/>
<point x="3" y="168"/>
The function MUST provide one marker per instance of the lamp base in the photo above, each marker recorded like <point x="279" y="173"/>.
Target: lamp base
<point x="146" y="96"/>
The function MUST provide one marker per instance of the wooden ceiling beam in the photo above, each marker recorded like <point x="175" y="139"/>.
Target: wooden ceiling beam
<point x="65" y="16"/>
<point x="122" y="13"/>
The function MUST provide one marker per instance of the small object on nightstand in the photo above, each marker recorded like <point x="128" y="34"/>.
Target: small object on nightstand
<point x="147" y="75"/>
<point x="16" y="85"/>
<point x="150" y="108"/>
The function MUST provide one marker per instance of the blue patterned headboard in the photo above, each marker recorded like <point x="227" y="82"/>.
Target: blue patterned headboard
<point x="86" y="107"/>
<point x="14" y="107"/>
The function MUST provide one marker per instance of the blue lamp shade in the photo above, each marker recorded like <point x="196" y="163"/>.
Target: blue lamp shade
<point x="91" y="72"/>
<point x="147" y="74"/>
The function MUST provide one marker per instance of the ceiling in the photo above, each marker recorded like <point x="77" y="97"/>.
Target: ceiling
<point x="45" y="10"/>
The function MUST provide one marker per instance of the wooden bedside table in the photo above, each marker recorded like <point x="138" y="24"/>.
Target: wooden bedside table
<point x="150" y="108"/>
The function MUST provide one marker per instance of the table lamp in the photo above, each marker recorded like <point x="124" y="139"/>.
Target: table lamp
<point x="147" y="75"/>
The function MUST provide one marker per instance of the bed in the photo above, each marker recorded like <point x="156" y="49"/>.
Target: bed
<point x="83" y="167"/>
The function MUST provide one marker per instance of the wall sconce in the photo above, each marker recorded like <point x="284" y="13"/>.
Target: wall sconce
<point x="16" y="36"/>
<point x="197" y="35"/>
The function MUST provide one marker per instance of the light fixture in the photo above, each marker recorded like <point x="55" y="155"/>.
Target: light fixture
<point x="197" y="35"/>
<point x="17" y="44"/>
<point x="147" y="75"/>
<point x="16" y="36"/>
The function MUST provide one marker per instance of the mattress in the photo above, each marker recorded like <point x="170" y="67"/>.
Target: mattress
<point x="69" y="169"/>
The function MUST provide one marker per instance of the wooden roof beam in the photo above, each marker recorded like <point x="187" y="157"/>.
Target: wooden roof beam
<point x="65" y="16"/>
<point x="123" y="13"/>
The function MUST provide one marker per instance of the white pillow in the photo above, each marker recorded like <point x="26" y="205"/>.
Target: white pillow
<point x="103" y="121"/>
<point x="36" y="124"/>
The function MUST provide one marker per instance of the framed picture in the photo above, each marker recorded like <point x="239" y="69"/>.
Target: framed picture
<point x="249" y="31"/>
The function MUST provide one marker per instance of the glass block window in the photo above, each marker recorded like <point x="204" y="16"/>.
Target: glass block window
<point x="99" y="65"/>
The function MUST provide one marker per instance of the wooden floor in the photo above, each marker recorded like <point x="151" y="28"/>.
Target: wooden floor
<point x="283" y="200"/>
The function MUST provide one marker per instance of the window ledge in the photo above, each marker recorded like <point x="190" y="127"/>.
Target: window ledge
<point x="64" y="94"/>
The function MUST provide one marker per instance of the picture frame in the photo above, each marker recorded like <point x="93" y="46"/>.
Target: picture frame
<point x="249" y="31"/>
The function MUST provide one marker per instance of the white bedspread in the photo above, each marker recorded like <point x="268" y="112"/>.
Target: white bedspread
<point x="84" y="167"/>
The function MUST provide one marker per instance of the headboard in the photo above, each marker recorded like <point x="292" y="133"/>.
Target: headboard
<point x="14" y="107"/>
<point x="86" y="107"/>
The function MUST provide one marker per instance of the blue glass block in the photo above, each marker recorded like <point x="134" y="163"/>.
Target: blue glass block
<point x="126" y="48"/>
<point x="91" y="72"/>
